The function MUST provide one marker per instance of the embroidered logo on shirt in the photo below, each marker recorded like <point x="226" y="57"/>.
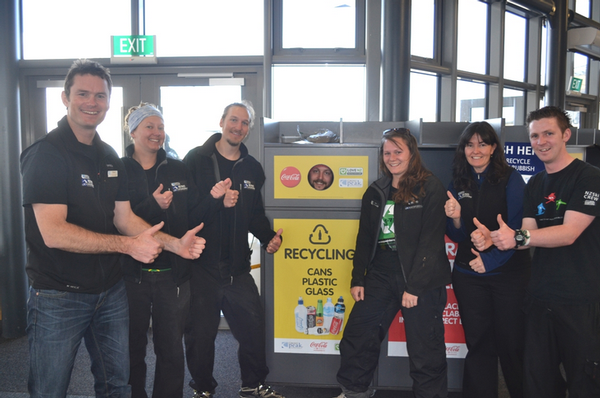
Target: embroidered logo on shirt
<point x="113" y="173"/>
<point x="591" y="198"/>
<point x="463" y="194"/>
<point x="413" y="204"/>
<point x="248" y="185"/>
<point x="86" y="181"/>
<point x="177" y="186"/>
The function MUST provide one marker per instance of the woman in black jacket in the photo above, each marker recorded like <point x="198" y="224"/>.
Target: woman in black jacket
<point x="160" y="189"/>
<point x="400" y="263"/>
<point x="489" y="285"/>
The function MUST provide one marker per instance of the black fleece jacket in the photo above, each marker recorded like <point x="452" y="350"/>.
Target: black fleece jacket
<point x="247" y="177"/>
<point x="185" y="212"/>
<point x="419" y="227"/>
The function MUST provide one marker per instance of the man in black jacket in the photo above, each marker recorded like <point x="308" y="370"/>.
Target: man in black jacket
<point x="78" y="221"/>
<point x="222" y="281"/>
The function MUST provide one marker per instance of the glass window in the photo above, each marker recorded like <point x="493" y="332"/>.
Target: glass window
<point x="513" y="107"/>
<point x="580" y="66"/>
<point x="110" y="130"/>
<point x="470" y="101"/>
<point x="514" y="47"/>
<point x="543" y="55"/>
<point x="318" y="24"/>
<point x="319" y="93"/>
<point x="192" y="113"/>
<point x="582" y="7"/>
<point x="472" y="34"/>
<point x="575" y="117"/>
<point x="52" y="29"/>
<point x="423" y="96"/>
<point x="422" y="28"/>
<point x="206" y="27"/>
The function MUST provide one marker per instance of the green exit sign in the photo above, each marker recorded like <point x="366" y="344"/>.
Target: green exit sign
<point x="133" y="45"/>
<point x="575" y="84"/>
<point x="133" y="49"/>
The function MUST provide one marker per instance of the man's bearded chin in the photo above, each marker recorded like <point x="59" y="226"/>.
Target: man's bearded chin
<point x="233" y="143"/>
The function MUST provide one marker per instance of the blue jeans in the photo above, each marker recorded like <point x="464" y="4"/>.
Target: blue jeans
<point x="56" y="323"/>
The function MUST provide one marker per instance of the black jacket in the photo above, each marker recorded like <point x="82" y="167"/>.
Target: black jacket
<point x="184" y="213"/>
<point x="485" y="203"/>
<point x="58" y="169"/>
<point x="419" y="227"/>
<point x="249" y="213"/>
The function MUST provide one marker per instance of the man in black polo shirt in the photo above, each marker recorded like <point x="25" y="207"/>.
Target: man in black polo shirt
<point x="78" y="221"/>
<point x="561" y="221"/>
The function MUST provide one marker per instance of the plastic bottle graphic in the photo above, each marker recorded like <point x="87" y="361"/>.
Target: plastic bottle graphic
<point x="328" y="310"/>
<point x="319" y="318"/>
<point x="300" y="315"/>
<point x="338" y="318"/>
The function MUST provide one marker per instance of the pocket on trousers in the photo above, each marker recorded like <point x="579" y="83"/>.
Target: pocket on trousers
<point x="592" y="369"/>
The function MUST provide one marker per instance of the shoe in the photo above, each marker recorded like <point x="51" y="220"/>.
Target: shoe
<point x="372" y="394"/>
<point x="202" y="394"/>
<point x="262" y="391"/>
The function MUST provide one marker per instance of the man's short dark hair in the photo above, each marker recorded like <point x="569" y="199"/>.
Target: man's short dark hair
<point x="86" y="67"/>
<point x="562" y="118"/>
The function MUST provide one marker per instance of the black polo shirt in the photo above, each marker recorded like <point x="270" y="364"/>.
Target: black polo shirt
<point x="58" y="169"/>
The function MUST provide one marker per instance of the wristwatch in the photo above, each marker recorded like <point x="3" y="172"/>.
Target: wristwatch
<point x="521" y="237"/>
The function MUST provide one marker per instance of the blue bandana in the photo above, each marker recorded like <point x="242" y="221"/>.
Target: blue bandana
<point x="140" y="114"/>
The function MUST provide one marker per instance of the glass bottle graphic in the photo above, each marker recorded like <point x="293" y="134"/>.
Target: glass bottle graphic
<point x="319" y="313"/>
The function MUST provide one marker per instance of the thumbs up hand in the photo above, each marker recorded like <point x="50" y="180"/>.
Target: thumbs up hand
<point x="477" y="263"/>
<point x="452" y="207"/>
<point x="144" y="247"/>
<point x="163" y="199"/>
<point x="504" y="237"/>
<point x="481" y="236"/>
<point x="274" y="244"/>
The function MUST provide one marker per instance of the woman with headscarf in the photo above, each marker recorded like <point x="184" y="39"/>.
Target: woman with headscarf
<point x="160" y="189"/>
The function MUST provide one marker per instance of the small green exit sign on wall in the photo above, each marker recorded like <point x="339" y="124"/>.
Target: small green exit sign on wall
<point x="575" y="84"/>
<point x="133" y="49"/>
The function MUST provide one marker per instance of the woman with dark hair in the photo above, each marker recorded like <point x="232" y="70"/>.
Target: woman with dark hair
<point x="400" y="263"/>
<point x="489" y="285"/>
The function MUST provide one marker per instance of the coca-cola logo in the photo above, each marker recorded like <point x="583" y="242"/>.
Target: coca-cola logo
<point x="290" y="177"/>
<point x="318" y="345"/>
<point x="452" y="349"/>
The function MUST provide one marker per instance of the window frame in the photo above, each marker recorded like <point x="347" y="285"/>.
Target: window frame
<point x="324" y="55"/>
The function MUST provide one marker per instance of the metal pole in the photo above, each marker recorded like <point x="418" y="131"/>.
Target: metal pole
<point x="13" y="281"/>
<point x="396" y="60"/>
<point x="557" y="56"/>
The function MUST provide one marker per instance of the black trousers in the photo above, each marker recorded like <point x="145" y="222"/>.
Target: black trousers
<point x="159" y="298"/>
<point x="367" y="327"/>
<point x="567" y="334"/>
<point x="491" y="311"/>
<point x="240" y="303"/>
